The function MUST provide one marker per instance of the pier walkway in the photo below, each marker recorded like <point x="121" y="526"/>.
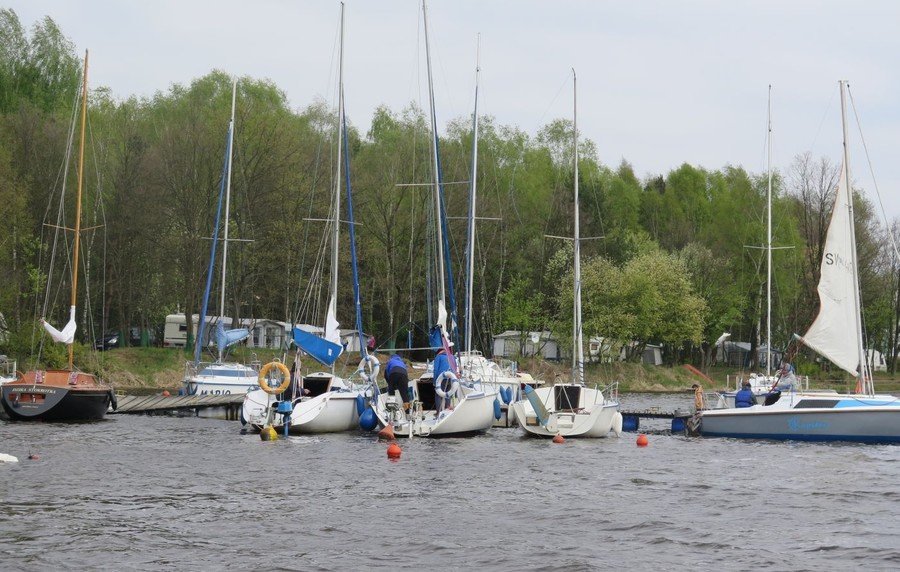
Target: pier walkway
<point x="218" y="406"/>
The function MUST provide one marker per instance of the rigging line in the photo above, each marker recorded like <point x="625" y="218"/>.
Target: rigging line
<point x="822" y="122"/>
<point x="872" y="172"/>
<point x="562" y="85"/>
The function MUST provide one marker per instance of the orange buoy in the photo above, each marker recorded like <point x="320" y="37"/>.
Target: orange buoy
<point x="393" y="451"/>
<point x="387" y="433"/>
<point x="642" y="440"/>
<point x="559" y="439"/>
<point x="166" y="393"/>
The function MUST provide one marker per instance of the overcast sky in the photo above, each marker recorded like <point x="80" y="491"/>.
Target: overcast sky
<point x="660" y="82"/>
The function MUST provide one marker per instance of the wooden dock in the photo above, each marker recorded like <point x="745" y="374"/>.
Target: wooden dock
<point x="217" y="406"/>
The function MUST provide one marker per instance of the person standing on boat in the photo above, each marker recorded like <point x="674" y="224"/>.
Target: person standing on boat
<point x="397" y="377"/>
<point x="441" y="364"/>
<point x="744" y="397"/>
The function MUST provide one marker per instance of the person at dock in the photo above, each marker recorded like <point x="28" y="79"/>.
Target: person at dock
<point x="397" y="377"/>
<point x="744" y="397"/>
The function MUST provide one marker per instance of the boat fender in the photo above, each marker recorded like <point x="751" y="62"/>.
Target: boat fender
<point x="285" y="378"/>
<point x="439" y="382"/>
<point x="368" y="421"/>
<point x="617" y="424"/>
<point x="368" y="368"/>
<point x="112" y="400"/>
<point x="497" y="411"/>
<point x="360" y="404"/>
<point x="508" y="398"/>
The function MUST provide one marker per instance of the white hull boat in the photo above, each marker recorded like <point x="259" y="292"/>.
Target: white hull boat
<point x="471" y="412"/>
<point x="329" y="408"/>
<point x="570" y="410"/>
<point x="810" y="416"/>
<point x="503" y="380"/>
<point x="836" y="334"/>
<point x="220" y="379"/>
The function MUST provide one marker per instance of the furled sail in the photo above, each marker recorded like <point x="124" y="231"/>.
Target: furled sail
<point x="834" y="332"/>
<point x="225" y="338"/>
<point x="332" y="333"/>
<point x="67" y="335"/>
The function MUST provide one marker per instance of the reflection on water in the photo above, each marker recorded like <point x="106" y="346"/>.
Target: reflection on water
<point x="156" y="492"/>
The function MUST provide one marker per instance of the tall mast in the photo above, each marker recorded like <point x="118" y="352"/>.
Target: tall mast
<point x="769" y="242"/>
<point x="336" y="219"/>
<point x="227" y="209"/>
<point x="864" y="382"/>
<point x="578" y="354"/>
<point x="470" y="252"/>
<point x="439" y="236"/>
<point x="78" y="201"/>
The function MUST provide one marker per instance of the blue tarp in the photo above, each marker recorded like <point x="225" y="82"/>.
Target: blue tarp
<point x="320" y="349"/>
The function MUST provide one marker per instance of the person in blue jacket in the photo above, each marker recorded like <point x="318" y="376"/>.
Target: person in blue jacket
<point x="441" y="364"/>
<point x="397" y="377"/>
<point x="744" y="397"/>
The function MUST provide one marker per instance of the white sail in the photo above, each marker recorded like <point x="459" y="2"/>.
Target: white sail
<point x="834" y="334"/>
<point x="67" y="335"/>
<point x="332" y="333"/>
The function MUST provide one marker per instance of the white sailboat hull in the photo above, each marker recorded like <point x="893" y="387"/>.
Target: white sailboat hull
<point x="220" y="379"/>
<point x="328" y="412"/>
<point x="594" y="417"/>
<point x="810" y="417"/>
<point x="473" y="414"/>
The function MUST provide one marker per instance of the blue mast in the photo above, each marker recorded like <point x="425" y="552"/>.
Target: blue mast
<point x="359" y="321"/>
<point x="212" y="256"/>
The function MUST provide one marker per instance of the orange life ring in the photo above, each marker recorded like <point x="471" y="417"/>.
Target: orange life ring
<point x="285" y="378"/>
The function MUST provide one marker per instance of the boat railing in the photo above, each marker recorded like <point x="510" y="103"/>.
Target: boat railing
<point x="610" y="392"/>
<point x="734" y="382"/>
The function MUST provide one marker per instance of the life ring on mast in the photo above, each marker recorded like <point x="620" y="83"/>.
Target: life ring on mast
<point x="369" y="367"/>
<point x="285" y="378"/>
<point x="439" y="382"/>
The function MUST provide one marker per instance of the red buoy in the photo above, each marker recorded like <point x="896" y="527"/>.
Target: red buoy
<point x="559" y="439"/>
<point x="642" y="440"/>
<point x="34" y="457"/>
<point x="393" y="451"/>
<point x="387" y="433"/>
<point x="166" y="393"/>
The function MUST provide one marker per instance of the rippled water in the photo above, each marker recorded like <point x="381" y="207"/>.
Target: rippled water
<point x="139" y="492"/>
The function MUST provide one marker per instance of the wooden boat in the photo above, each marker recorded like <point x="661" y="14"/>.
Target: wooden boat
<point x="61" y="395"/>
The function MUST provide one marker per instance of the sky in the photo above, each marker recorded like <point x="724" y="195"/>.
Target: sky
<point x="660" y="83"/>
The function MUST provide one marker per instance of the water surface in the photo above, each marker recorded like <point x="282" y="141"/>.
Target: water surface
<point x="135" y="492"/>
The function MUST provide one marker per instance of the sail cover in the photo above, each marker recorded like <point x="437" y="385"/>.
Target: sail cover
<point x="225" y="338"/>
<point x="67" y="335"/>
<point x="834" y="333"/>
<point x="323" y="351"/>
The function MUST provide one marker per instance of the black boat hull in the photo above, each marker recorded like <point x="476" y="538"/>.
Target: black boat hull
<point x="58" y="404"/>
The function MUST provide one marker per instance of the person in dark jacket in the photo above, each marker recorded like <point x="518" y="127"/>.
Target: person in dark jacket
<point x="744" y="397"/>
<point x="397" y="377"/>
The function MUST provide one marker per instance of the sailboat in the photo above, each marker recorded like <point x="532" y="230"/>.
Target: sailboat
<point x="62" y="394"/>
<point x="762" y="384"/>
<point x="836" y="334"/>
<point x="472" y="403"/>
<point x="322" y="402"/>
<point x="505" y="380"/>
<point x="571" y="409"/>
<point x="220" y="377"/>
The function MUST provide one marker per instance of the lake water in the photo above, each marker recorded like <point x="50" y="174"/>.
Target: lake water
<point x="135" y="493"/>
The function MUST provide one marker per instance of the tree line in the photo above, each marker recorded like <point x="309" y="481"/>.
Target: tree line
<point x="674" y="265"/>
